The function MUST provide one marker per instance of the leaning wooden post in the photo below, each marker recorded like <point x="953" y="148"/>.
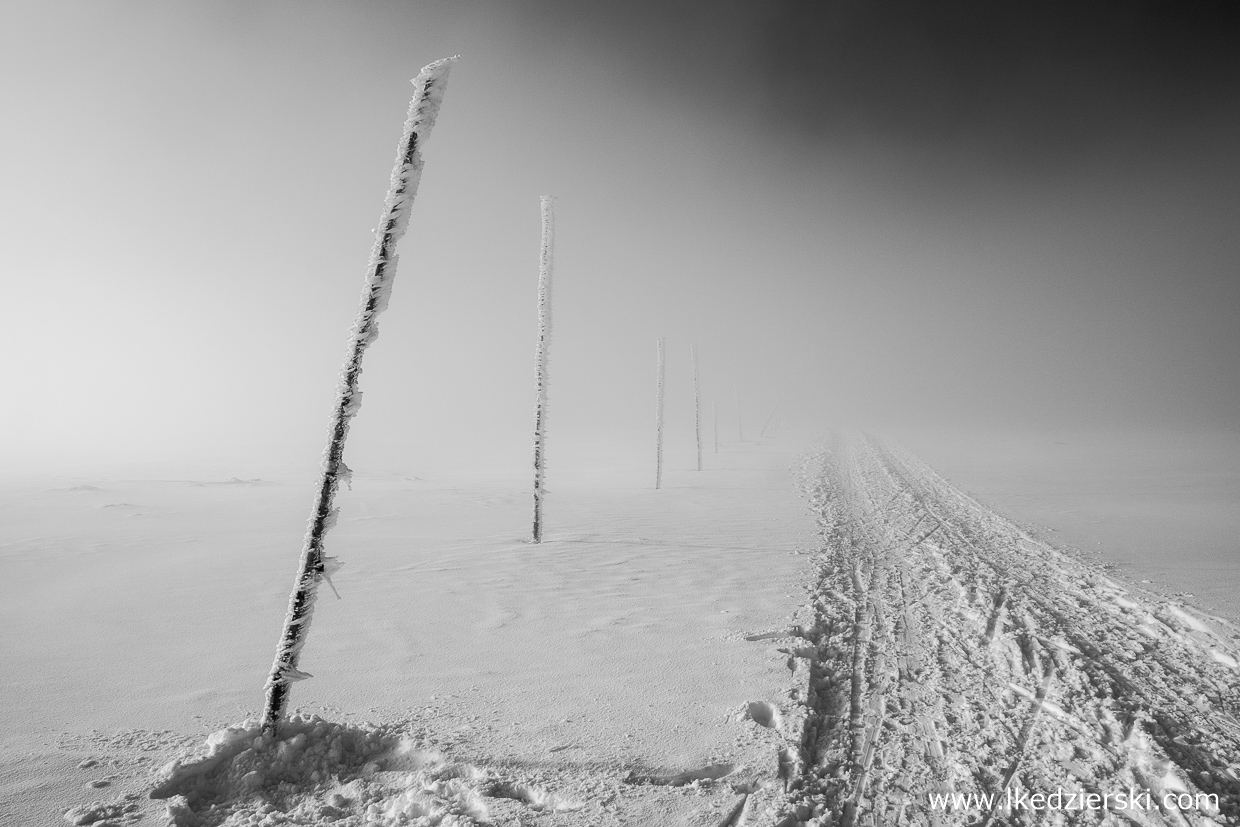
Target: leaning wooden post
<point x="784" y="395"/>
<point x="544" y="341"/>
<point x="315" y="566"/>
<point x="697" y="407"/>
<point x="771" y="418"/>
<point x="658" y="419"/>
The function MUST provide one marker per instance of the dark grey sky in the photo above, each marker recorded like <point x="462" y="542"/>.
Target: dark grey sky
<point x="1077" y="159"/>
<point x="1022" y="86"/>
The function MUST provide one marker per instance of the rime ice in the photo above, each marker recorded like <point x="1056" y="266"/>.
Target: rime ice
<point x="428" y="93"/>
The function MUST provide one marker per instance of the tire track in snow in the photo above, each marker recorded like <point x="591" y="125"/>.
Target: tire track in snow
<point x="951" y="652"/>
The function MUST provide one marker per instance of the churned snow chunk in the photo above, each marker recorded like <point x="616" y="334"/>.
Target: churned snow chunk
<point x="1224" y="658"/>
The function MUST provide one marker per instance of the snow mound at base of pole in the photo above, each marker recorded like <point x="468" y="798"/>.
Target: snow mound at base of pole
<point x="319" y="772"/>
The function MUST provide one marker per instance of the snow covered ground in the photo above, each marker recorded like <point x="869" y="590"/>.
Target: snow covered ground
<point x="1161" y="506"/>
<point x="141" y="615"/>
<point x="953" y="656"/>
<point x="781" y="639"/>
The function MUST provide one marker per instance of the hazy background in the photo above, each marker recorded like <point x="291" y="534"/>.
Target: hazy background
<point x="889" y="215"/>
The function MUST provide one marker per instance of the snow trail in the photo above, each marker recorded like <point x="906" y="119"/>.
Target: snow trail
<point x="951" y="654"/>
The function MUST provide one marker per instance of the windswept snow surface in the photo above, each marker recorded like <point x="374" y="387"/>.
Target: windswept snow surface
<point x="706" y="654"/>
<point x="1160" y="508"/>
<point x="600" y="677"/>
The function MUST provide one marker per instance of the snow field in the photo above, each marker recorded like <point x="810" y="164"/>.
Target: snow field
<point x="713" y="654"/>
<point x="614" y="650"/>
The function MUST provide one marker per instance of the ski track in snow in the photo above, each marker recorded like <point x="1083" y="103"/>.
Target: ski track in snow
<point x="942" y="650"/>
<point x="947" y="651"/>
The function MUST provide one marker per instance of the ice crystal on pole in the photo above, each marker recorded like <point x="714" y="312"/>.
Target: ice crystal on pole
<point x="314" y="566"/>
<point x="544" y="341"/>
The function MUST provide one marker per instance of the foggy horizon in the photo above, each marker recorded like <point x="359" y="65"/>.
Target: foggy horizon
<point x="888" y="216"/>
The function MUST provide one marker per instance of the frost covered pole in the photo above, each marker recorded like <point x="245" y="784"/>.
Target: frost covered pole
<point x="779" y="402"/>
<point x="771" y="418"/>
<point x="544" y="341"/>
<point x="697" y="407"/>
<point x="315" y="565"/>
<point x="658" y="418"/>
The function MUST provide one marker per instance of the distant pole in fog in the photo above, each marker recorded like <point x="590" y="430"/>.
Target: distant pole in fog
<point x="544" y="341"/>
<point x="658" y="416"/>
<point x="770" y="418"/>
<point x="697" y="407"/>
<point x="782" y="396"/>
<point x="315" y="566"/>
<point x="714" y="421"/>
<point x="740" y="430"/>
